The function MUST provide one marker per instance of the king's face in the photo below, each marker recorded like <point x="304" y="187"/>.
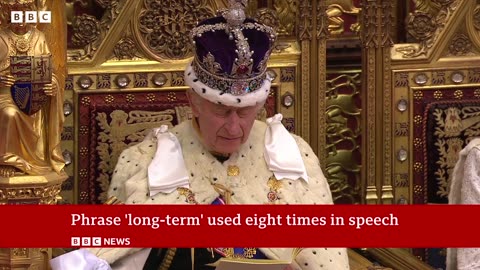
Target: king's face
<point x="224" y="129"/>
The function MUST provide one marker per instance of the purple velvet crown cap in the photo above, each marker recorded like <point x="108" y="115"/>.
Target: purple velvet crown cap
<point x="224" y="49"/>
<point x="230" y="61"/>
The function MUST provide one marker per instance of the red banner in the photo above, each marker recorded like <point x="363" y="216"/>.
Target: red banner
<point x="239" y="225"/>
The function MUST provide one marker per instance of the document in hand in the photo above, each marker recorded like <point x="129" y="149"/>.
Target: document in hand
<point x="257" y="264"/>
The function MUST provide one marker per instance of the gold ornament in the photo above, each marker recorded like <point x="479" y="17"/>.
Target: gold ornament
<point x="22" y="45"/>
<point x="274" y="186"/>
<point x="21" y="42"/>
<point x="233" y="170"/>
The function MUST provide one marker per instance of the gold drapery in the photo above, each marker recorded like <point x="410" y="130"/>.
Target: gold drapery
<point x="29" y="143"/>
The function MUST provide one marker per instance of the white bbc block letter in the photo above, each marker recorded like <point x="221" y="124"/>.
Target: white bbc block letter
<point x="75" y="241"/>
<point x="96" y="241"/>
<point x="16" y="16"/>
<point x="30" y="16"/>
<point x="86" y="241"/>
<point x="45" y="17"/>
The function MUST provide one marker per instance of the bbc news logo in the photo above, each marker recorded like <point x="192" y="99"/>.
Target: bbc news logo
<point x="99" y="241"/>
<point x="31" y="17"/>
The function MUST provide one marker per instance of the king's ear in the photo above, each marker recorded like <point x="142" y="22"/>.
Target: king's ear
<point x="194" y="101"/>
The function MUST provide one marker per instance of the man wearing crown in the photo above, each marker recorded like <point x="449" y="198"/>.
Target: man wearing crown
<point x="223" y="156"/>
<point x="30" y="142"/>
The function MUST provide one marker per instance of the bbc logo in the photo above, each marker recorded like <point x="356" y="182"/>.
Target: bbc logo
<point x="86" y="241"/>
<point x="31" y="17"/>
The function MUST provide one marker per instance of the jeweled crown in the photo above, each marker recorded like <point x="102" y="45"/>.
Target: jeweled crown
<point x="231" y="52"/>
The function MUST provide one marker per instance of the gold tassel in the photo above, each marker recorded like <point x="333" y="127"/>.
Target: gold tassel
<point x="223" y="191"/>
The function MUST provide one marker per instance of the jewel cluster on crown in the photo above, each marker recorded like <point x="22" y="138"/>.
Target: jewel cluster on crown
<point x="242" y="79"/>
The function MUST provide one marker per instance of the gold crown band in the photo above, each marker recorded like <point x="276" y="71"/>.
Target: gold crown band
<point x="236" y="87"/>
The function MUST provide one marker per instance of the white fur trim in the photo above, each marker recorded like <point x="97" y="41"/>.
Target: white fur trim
<point x="129" y="183"/>
<point x="458" y="171"/>
<point x="227" y="99"/>
<point x="464" y="190"/>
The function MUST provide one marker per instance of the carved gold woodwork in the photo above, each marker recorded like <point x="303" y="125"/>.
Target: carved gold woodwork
<point x="343" y="137"/>
<point x="305" y="37"/>
<point x="41" y="189"/>
<point x="376" y="42"/>
<point x="335" y="10"/>
<point x="434" y="104"/>
<point x="162" y="28"/>
<point x="287" y="11"/>
<point x="428" y="25"/>
<point x="430" y="68"/>
<point x="24" y="258"/>
<point x="409" y="73"/>
<point x="319" y="70"/>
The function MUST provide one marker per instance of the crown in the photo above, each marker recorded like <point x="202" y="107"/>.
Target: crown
<point x="230" y="61"/>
